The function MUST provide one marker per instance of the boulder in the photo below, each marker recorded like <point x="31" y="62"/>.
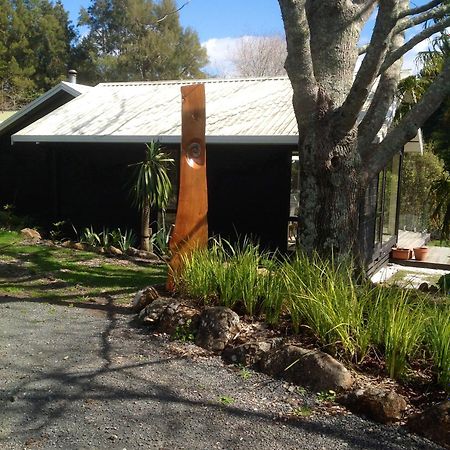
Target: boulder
<point x="311" y="368"/>
<point x="178" y="317"/>
<point x="151" y="314"/>
<point x="68" y="244"/>
<point x="377" y="404"/>
<point x="248" y="354"/>
<point x="30" y="233"/>
<point x="218" y="325"/>
<point x="115" y="251"/>
<point x="433" y="423"/>
<point x="143" y="298"/>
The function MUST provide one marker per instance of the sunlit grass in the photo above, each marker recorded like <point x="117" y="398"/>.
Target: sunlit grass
<point x="41" y="271"/>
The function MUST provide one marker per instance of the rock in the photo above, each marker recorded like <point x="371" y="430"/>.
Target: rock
<point x="151" y="314"/>
<point x="218" y="325"/>
<point x="131" y="251"/>
<point x="30" y="233"/>
<point x="115" y="251"/>
<point x="143" y="298"/>
<point x="433" y="423"/>
<point x="100" y="250"/>
<point x="378" y="404"/>
<point x="147" y="255"/>
<point x="311" y="368"/>
<point x="247" y="354"/>
<point x="80" y="246"/>
<point x="68" y="244"/>
<point x="178" y="318"/>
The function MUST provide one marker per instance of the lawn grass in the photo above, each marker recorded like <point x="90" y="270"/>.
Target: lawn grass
<point x="50" y="272"/>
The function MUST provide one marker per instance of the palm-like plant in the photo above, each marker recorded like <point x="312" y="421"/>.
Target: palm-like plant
<point x="151" y="187"/>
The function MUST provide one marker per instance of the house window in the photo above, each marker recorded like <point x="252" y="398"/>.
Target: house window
<point x="387" y="204"/>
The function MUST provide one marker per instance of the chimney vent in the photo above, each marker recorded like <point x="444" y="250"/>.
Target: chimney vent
<point x="72" y="76"/>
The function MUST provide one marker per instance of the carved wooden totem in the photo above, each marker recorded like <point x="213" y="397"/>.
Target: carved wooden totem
<point x="191" y="223"/>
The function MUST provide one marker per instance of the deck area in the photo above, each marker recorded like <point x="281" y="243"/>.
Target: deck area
<point x="438" y="257"/>
<point x="411" y="239"/>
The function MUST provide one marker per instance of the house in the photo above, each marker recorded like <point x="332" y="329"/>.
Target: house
<point x="251" y="137"/>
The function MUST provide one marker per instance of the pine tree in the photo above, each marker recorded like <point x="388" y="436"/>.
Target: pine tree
<point x="135" y="40"/>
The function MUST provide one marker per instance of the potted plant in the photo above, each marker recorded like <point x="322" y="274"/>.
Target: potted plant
<point x="421" y="253"/>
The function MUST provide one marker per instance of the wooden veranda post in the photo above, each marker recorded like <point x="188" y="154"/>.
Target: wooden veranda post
<point x="191" y="222"/>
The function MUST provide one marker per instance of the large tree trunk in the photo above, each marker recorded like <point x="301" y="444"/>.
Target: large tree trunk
<point x="331" y="188"/>
<point x="146" y="230"/>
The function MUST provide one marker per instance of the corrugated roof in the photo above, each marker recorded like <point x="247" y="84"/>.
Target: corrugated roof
<point x="237" y="110"/>
<point x="257" y="110"/>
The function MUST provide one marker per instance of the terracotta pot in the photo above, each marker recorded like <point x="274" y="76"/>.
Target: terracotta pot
<point x="401" y="253"/>
<point x="421" y="253"/>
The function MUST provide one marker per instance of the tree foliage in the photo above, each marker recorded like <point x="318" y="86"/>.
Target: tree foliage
<point x="135" y="40"/>
<point x="341" y="152"/>
<point x="35" y="49"/>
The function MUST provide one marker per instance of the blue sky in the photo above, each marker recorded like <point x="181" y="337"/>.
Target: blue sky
<point x="220" y="24"/>
<point x="218" y="18"/>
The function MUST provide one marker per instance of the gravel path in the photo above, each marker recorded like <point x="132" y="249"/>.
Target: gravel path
<point x="77" y="378"/>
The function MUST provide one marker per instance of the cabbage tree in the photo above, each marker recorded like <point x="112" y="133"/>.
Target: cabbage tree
<point x="151" y="187"/>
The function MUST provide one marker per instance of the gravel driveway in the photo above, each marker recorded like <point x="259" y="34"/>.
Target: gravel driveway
<point x="80" y="378"/>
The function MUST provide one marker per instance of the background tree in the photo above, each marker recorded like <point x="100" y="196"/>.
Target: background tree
<point x="338" y="154"/>
<point x="259" y="56"/>
<point x="137" y="40"/>
<point x="35" y="49"/>
<point x="151" y="187"/>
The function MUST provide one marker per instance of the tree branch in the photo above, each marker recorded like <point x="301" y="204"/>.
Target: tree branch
<point x="382" y="101"/>
<point x="436" y="13"/>
<point x="298" y="63"/>
<point x="172" y="12"/>
<point x="419" y="9"/>
<point x="408" y="126"/>
<point x="424" y="34"/>
<point x="370" y="66"/>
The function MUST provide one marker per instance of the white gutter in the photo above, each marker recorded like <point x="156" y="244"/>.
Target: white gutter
<point x="175" y="139"/>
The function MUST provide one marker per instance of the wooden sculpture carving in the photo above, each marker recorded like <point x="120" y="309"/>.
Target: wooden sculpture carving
<point x="191" y="223"/>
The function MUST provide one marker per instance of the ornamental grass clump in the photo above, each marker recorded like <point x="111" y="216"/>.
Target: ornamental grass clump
<point x="397" y="325"/>
<point x="323" y="295"/>
<point x="239" y="276"/>
<point x="438" y="342"/>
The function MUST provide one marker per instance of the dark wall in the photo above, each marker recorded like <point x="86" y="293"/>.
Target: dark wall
<point x="248" y="192"/>
<point x="248" y="187"/>
<point x="22" y="166"/>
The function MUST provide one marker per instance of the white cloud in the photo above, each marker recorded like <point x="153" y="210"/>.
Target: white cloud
<point x="409" y="59"/>
<point x="219" y="51"/>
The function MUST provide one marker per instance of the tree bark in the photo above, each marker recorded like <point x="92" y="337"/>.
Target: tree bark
<point x="146" y="230"/>
<point x="331" y="190"/>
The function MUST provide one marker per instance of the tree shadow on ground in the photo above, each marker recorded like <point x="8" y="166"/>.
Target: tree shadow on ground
<point x="93" y="386"/>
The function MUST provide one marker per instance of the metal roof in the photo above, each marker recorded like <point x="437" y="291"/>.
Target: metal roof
<point x="70" y="88"/>
<point x="241" y="110"/>
<point x="237" y="110"/>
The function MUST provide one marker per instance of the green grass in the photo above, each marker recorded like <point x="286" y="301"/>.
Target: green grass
<point x="41" y="271"/>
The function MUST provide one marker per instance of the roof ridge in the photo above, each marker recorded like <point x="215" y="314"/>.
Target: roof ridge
<point x="191" y="81"/>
